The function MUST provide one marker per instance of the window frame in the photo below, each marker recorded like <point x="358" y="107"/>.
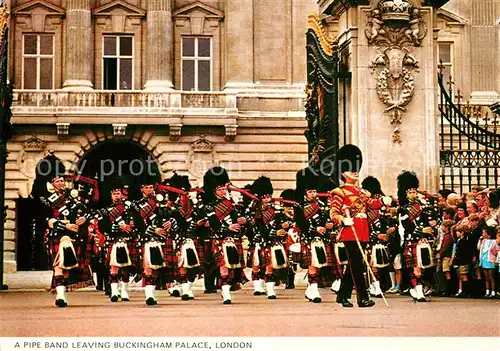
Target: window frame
<point x="450" y="65"/>
<point x="38" y="57"/>
<point x="196" y="59"/>
<point x="118" y="58"/>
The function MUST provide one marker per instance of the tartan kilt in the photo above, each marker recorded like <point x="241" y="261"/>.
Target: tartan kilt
<point x="264" y="257"/>
<point x="219" y="253"/>
<point x="200" y="251"/>
<point x="410" y="255"/>
<point x="326" y="275"/>
<point x="76" y="278"/>
<point x="133" y="252"/>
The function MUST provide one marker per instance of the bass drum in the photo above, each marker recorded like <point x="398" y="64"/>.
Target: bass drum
<point x="293" y="246"/>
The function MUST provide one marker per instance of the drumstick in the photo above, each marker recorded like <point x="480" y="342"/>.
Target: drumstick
<point x="364" y="257"/>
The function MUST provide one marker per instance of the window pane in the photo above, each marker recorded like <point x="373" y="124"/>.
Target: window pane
<point x="46" y="44"/>
<point x="445" y="52"/>
<point x="46" y="73"/>
<point x="204" y="75"/>
<point x="110" y="74"/>
<point x="30" y="44"/>
<point x="446" y="76"/>
<point x="187" y="75"/>
<point x="204" y="47"/>
<point x="109" y="46"/>
<point x="187" y="46"/>
<point x="126" y="46"/>
<point x="125" y="74"/>
<point x="30" y="73"/>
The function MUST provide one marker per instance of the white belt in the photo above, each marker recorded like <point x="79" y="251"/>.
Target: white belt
<point x="361" y="215"/>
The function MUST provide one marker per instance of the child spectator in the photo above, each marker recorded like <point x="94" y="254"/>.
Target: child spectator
<point x="485" y="244"/>
<point x="463" y="258"/>
<point x="445" y="254"/>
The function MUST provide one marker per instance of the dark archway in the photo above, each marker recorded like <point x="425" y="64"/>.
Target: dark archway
<point x="126" y="158"/>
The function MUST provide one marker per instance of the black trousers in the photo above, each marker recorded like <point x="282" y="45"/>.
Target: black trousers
<point x="354" y="275"/>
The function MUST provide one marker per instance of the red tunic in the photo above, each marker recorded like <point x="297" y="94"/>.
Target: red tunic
<point x="347" y="197"/>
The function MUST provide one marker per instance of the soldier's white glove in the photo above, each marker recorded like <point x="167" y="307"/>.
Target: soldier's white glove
<point x="348" y="222"/>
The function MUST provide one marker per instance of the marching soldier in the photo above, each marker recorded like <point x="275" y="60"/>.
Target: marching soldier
<point x="225" y="229"/>
<point x="269" y="259"/>
<point x="67" y="237"/>
<point x="121" y="242"/>
<point x="286" y="221"/>
<point x="411" y="221"/>
<point x="313" y="223"/>
<point x="348" y="208"/>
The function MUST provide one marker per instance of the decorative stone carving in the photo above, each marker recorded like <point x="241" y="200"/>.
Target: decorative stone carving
<point x="230" y="132"/>
<point x="119" y="129"/>
<point x="175" y="131"/>
<point x="201" y="156"/>
<point x="395" y="27"/>
<point x="32" y="152"/>
<point x="62" y="129"/>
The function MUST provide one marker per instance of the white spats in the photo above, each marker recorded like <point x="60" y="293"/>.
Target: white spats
<point x="258" y="287"/>
<point x="190" y="291"/>
<point x="413" y="293"/>
<point x="270" y="290"/>
<point x="124" y="291"/>
<point x="114" y="292"/>
<point x="60" y="290"/>
<point x="312" y="293"/>
<point x="392" y="275"/>
<point x="226" y="294"/>
<point x="185" y="291"/>
<point x="336" y="286"/>
<point x="378" y="290"/>
<point x="94" y="276"/>
<point x="420" y="292"/>
<point x="149" y="290"/>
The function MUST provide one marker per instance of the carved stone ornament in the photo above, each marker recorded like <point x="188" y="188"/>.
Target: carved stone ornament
<point x="32" y="152"/>
<point x="201" y="157"/>
<point x="395" y="27"/>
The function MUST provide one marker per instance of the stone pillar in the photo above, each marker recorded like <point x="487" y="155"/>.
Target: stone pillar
<point x="160" y="44"/>
<point x="79" y="46"/>
<point x="392" y="107"/>
<point x="484" y="34"/>
<point x="239" y="44"/>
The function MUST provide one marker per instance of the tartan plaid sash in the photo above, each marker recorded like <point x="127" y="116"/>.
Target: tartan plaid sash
<point x="185" y="208"/>
<point x="415" y="210"/>
<point x="116" y="212"/>
<point x="147" y="209"/>
<point x="311" y="209"/>
<point x="223" y="208"/>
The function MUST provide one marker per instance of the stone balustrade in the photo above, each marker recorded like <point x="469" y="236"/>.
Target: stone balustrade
<point x="120" y="99"/>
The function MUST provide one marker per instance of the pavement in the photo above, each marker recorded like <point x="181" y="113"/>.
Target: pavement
<point x="91" y="314"/>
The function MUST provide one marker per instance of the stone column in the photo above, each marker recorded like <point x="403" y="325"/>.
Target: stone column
<point x="239" y="43"/>
<point x="160" y="44"/>
<point x="392" y="105"/>
<point x="79" y="45"/>
<point x="484" y="34"/>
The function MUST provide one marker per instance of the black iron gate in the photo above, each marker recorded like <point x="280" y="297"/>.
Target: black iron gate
<point x="325" y="73"/>
<point x="470" y="142"/>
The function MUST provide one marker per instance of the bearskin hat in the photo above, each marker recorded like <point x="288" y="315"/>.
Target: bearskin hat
<point x="179" y="182"/>
<point x="148" y="179"/>
<point x="116" y="184"/>
<point x="48" y="169"/>
<point x="262" y="186"/>
<point x="213" y="178"/>
<point x="372" y="184"/>
<point x="349" y="159"/>
<point x="406" y="180"/>
<point x="288" y="194"/>
<point x="305" y="179"/>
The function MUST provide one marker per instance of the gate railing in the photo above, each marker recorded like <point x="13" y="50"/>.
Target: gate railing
<point x="470" y="142"/>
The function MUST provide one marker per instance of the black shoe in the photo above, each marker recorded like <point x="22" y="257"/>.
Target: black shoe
<point x="125" y="299"/>
<point x="227" y="302"/>
<point x="272" y="297"/>
<point x="291" y="286"/>
<point x="366" y="303"/>
<point x="422" y="299"/>
<point x="461" y="295"/>
<point x="61" y="303"/>
<point x="345" y="303"/>
<point x="99" y="288"/>
<point x="114" y="298"/>
<point x="257" y="293"/>
<point x="379" y="296"/>
<point x="210" y="291"/>
<point x="185" y="297"/>
<point x="176" y="293"/>
<point x="151" y="301"/>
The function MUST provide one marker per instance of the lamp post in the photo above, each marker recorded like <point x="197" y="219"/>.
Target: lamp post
<point x="5" y="124"/>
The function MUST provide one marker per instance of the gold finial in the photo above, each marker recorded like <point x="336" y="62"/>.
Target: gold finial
<point x="459" y="97"/>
